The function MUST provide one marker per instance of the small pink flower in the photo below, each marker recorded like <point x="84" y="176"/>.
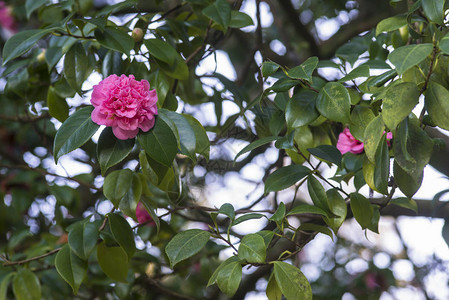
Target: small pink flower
<point x="124" y="104"/>
<point x="143" y="216"/>
<point x="6" y="19"/>
<point x="347" y="143"/>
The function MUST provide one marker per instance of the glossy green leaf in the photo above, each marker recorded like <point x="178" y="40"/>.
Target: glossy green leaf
<point x="360" y="118"/>
<point x="219" y="12"/>
<point x="21" y="42"/>
<point x="406" y="203"/>
<point x="328" y="153"/>
<point x="338" y="208"/>
<point x="83" y="238"/>
<point x="383" y="78"/>
<point x="113" y="261"/>
<point x="279" y="214"/>
<point x="246" y="217"/>
<point x="4" y="283"/>
<point x="373" y="134"/>
<point x="434" y="10"/>
<point x="71" y="268"/>
<point x="405" y="57"/>
<point x="273" y="291"/>
<point x="361" y="209"/>
<point x="116" y="184"/>
<point x="129" y="202"/>
<point x="252" y="248"/>
<point x="109" y="9"/>
<point x="310" y="227"/>
<point x="334" y="102"/>
<point x="159" y="143"/>
<point x="368" y="173"/>
<point x="267" y="236"/>
<point x="110" y="150"/>
<point x="307" y="209"/>
<point x="213" y="278"/>
<point x="382" y="170"/>
<point x="285" y="177"/>
<point x="202" y="140"/>
<point x="408" y="183"/>
<point x="292" y="282"/>
<point x="229" y="277"/>
<point x="391" y="24"/>
<point x="186" y="244"/>
<point x="115" y="39"/>
<point x="26" y="286"/>
<point x="283" y="85"/>
<point x="228" y="210"/>
<point x="168" y="58"/>
<point x="304" y="71"/>
<point x="32" y="5"/>
<point x="151" y="210"/>
<point x="76" y="65"/>
<point x="122" y="232"/>
<point x="301" y="109"/>
<point x="57" y="106"/>
<point x="444" y="44"/>
<point x="317" y="193"/>
<point x="437" y="104"/>
<point x="269" y="68"/>
<point x="256" y="144"/>
<point x="398" y="103"/>
<point x="360" y="71"/>
<point x="240" y="20"/>
<point x="74" y="132"/>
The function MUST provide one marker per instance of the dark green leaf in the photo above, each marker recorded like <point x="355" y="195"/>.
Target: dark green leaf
<point x="279" y="214"/>
<point x="361" y="209"/>
<point x="146" y="203"/>
<point x="406" y="203"/>
<point x="214" y="276"/>
<point x="437" y="104"/>
<point x="219" y="12"/>
<point x="76" y="65"/>
<point x="129" y="202"/>
<point x="307" y="209"/>
<point x="21" y="42"/>
<point x="186" y="244"/>
<point x="229" y="277"/>
<point x="71" y="268"/>
<point x="328" y="153"/>
<point x="273" y="291"/>
<point x="57" y="106"/>
<point x="292" y="282"/>
<point x="123" y="234"/>
<point x="301" y="109"/>
<point x="252" y="248"/>
<point x="383" y="78"/>
<point x="444" y="44"/>
<point x="256" y="144"/>
<point x="360" y="117"/>
<point x="285" y="177"/>
<point x="408" y="183"/>
<point x="26" y="286"/>
<point x="240" y="20"/>
<point x="32" y="5"/>
<point x="202" y="140"/>
<point x="228" y="210"/>
<point x="338" y="207"/>
<point x="391" y="24"/>
<point x="334" y="102"/>
<point x="267" y="236"/>
<point x="113" y="261"/>
<point x="360" y="71"/>
<point x="83" y="238"/>
<point x="116" y="184"/>
<point x="269" y="68"/>
<point x="310" y="227"/>
<point x="283" y="85"/>
<point x="109" y="9"/>
<point x="169" y="59"/>
<point x="445" y="231"/>
<point x="317" y="193"/>
<point x="304" y="70"/>
<point x="382" y="170"/>
<point x="4" y="285"/>
<point x="405" y="57"/>
<point x="115" y="39"/>
<point x="434" y="10"/>
<point x="250" y="216"/>
<point x="74" y="132"/>
<point x="373" y="134"/>
<point x="110" y="150"/>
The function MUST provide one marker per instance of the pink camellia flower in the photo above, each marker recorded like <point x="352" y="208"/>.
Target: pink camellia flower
<point x="347" y="143"/>
<point x="7" y="21"/>
<point x="143" y="216"/>
<point x="124" y="104"/>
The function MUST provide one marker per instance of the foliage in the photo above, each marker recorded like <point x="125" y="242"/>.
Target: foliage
<point x="81" y="248"/>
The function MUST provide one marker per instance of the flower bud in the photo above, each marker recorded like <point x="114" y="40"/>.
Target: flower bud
<point x="41" y="56"/>
<point x="137" y="34"/>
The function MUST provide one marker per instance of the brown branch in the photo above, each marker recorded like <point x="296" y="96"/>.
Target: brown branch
<point x="21" y="262"/>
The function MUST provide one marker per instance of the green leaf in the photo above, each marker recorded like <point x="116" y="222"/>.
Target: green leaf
<point x="213" y="278"/>
<point x="338" y="208"/>
<point x="283" y="85"/>
<point x="406" y="203"/>
<point x="113" y="261"/>
<point x="434" y="10"/>
<point x="129" y="202"/>
<point x="228" y="210"/>
<point x="240" y="20"/>
<point x="373" y="134"/>
<point x="123" y="234"/>
<point x="115" y="39"/>
<point x="4" y="285"/>
<point x="391" y="24"/>
<point x="408" y="183"/>
<point x="21" y="42"/>
<point x="229" y="277"/>
<point x="405" y="57"/>
<point x="360" y="118"/>
<point x="71" y="268"/>
<point x="444" y="44"/>
<point x="279" y="214"/>
<point x="74" y="132"/>
<point x="398" y="103"/>
<point x="285" y="177"/>
<point x="116" y="184"/>
<point x="256" y="144"/>
<point x="361" y="209"/>
<point x="316" y="228"/>
<point x="252" y="248"/>
<point x="327" y="153"/>
<point x="383" y="78"/>
<point x="110" y="9"/>
<point x="307" y="209"/>
<point x="83" y="238"/>
<point x="269" y="68"/>
<point x="437" y="104"/>
<point x="219" y="12"/>
<point x="32" y="5"/>
<point x="445" y="231"/>
<point x="247" y="217"/>
<point x="267" y="236"/>
<point x="57" y="106"/>
<point x="186" y="244"/>
<point x="159" y="143"/>
<point x="273" y="291"/>
<point x="301" y="110"/>
<point x="292" y="282"/>
<point x="360" y="71"/>
<point x="202" y="140"/>
<point x="76" y="65"/>
<point x="334" y="102"/>
<point x="26" y="286"/>
<point x="317" y="193"/>
<point x="382" y="170"/>
<point x="168" y="58"/>
<point x="304" y="70"/>
<point x="110" y="150"/>
<point x="146" y="203"/>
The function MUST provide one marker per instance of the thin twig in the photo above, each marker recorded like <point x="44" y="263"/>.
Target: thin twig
<point x="21" y="262"/>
